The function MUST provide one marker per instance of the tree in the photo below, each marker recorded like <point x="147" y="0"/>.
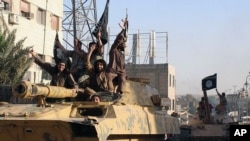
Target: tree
<point x="14" y="60"/>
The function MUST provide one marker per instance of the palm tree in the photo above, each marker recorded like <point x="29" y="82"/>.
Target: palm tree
<point x="14" y="60"/>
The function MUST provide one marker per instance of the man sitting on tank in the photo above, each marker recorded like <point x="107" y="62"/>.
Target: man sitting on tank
<point x="97" y="80"/>
<point x="60" y="76"/>
<point x="97" y="72"/>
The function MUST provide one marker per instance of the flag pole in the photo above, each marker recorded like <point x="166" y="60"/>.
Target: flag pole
<point x="102" y="25"/>
<point x="74" y="19"/>
<point x="207" y="118"/>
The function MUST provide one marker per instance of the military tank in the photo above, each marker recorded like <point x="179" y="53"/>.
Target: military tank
<point x="215" y="125"/>
<point x="134" y="115"/>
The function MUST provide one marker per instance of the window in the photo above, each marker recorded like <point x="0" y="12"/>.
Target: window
<point x="25" y="8"/>
<point x="40" y="16"/>
<point x="170" y="80"/>
<point x="173" y="104"/>
<point x="54" y="22"/>
<point x="5" y="4"/>
<point x="173" y="81"/>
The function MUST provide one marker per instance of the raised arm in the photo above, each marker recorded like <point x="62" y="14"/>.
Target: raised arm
<point x="99" y="42"/>
<point x="89" y="66"/>
<point x="118" y="40"/>
<point x="77" y="48"/>
<point x="218" y="92"/>
<point x="121" y="37"/>
<point x="40" y="62"/>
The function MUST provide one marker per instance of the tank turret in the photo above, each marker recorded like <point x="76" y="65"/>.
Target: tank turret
<point x="136" y="115"/>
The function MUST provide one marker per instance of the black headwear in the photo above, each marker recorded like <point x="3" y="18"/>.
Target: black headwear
<point x="67" y="64"/>
<point x="63" y="61"/>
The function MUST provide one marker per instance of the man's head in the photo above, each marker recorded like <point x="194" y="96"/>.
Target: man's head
<point x="99" y="65"/>
<point x="223" y="94"/>
<point x="95" y="98"/>
<point x="61" y="66"/>
<point x="202" y="99"/>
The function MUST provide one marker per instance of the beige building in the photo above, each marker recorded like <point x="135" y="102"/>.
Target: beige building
<point x="38" y="21"/>
<point x="160" y="76"/>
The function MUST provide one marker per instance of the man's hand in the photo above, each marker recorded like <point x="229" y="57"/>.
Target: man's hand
<point x="99" y="33"/>
<point x="74" y="92"/>
<point x="77" y="47"/>
<point x="92" y="48"/>
<point x="31" y="51"/>
<point x="125" y="22"/>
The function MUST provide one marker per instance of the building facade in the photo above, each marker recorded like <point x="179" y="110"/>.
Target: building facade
<point x="160" y="76"/>
<point x="37" y="21"/>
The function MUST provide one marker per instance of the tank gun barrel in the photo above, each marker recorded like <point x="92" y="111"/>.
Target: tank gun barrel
<point x="26" y="89"/>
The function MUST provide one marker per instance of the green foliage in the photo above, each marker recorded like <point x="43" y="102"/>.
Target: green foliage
<point x="14" y="60"/>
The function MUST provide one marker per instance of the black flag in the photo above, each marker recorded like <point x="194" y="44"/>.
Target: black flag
<point x="209" y="82"/>
<point x="58" y="53"/>
<point x="102" y="25"/>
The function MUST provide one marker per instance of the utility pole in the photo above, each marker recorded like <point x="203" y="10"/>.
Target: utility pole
<point x="208" y="117"/>
<point x="247" y="83"/>
<point x="234" y="86"/>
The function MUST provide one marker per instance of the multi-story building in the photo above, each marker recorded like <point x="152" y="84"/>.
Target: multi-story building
<point x="160" y="76"/>
<point x="38" y="21"/>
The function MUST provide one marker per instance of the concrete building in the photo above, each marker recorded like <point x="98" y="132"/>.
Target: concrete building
<point x="160" y="76"/>
<point x="38" y="21"/>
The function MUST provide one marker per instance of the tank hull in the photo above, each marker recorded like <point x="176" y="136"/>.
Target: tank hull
<point x="53" y="130"/>
<point x="132" y="116"/>
<point x="27" y="122"/>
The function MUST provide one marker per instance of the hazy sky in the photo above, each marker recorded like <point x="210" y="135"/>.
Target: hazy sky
<point x="204" y="37"/>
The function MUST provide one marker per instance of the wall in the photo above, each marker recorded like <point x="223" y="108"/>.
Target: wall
<point x="40" y="36"/>
<point x="158" y="75"/>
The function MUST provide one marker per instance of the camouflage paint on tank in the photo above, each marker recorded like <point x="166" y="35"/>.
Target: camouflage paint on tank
<point x="132" y="117"/>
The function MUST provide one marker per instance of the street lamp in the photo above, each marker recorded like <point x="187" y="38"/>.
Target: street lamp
<point x="247" y="83"/>
<point x="234" y="89"/>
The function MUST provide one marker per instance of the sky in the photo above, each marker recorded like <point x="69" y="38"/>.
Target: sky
<point x="204" y="37"/>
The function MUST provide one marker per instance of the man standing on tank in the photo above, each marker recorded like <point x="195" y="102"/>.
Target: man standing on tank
<point x="116" y="67"/>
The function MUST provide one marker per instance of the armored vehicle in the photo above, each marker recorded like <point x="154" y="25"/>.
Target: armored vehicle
<point x="207" y="124"/>
<point x="134" y="115"/>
